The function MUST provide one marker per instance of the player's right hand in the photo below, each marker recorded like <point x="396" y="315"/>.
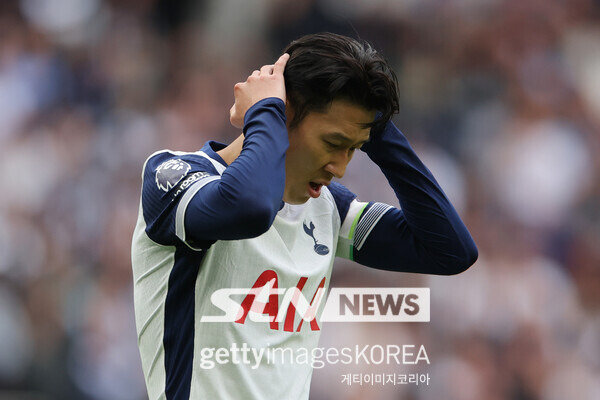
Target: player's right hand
<point x="268" y="82"/>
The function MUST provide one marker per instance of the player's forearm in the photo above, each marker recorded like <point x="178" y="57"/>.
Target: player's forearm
<point x="431" y="220"/>
<point x="245" y="201"/>
<point x="259" y="171"/>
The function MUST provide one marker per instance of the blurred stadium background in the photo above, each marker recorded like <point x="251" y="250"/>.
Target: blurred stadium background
<point x="500" y="97"/>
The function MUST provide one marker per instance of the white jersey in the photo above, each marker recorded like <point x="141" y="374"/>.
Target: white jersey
<point x="262" y="346"/>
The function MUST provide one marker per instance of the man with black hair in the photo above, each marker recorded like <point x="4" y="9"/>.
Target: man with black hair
<point x="262" y="214"/>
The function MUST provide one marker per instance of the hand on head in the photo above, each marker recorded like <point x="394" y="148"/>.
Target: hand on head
<point x="268" y="82"/>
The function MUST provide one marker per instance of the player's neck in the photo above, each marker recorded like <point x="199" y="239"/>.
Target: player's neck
<point x="232" y="151"/>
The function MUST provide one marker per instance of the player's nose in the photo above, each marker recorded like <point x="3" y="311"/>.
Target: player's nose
<point x="337" y="165"/>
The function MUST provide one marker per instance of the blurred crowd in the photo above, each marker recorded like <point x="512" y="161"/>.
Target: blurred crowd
<point x="501" y="98"/>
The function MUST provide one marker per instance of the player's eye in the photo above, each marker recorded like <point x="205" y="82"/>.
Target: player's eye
<point x="332" y="145"/>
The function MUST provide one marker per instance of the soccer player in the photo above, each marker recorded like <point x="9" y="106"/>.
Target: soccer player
<point x="263" y="213"/>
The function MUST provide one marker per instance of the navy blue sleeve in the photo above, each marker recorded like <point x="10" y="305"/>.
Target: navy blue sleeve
<point x="244" y="202"/>
<point x="426" y="235"/>
<point x="166" y="178"/>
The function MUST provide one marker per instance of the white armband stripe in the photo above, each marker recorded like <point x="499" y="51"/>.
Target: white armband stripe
<point x="368" y="222"/>
<point x="354" y="212"/>
<point x="183" y="203"/>
<point x="344" y="248"/>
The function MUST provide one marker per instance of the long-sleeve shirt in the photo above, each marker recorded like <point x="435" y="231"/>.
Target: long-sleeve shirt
<point x="207" y="229"/>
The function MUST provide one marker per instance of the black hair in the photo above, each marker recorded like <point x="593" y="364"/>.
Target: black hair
<point x="324" y="67"/>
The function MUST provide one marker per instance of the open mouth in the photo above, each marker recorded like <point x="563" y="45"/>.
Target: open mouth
<point x="314" y="189"/>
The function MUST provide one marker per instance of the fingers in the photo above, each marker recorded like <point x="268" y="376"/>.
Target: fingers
<point x="261" y="84"/>
<point x="266" y="70"/>
<point x="279" y="65"/>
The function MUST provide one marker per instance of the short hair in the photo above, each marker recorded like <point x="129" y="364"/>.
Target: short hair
<point x="324" y="67"/>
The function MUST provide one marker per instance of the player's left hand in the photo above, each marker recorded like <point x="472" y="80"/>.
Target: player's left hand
<point x="268" y="82"/>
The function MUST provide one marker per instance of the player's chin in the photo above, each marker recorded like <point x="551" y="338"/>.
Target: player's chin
<point x="299" y="197"/>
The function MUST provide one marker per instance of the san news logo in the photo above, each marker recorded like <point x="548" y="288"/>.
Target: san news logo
<point x="377" y="305"/>
<point x="287" y="308"/>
